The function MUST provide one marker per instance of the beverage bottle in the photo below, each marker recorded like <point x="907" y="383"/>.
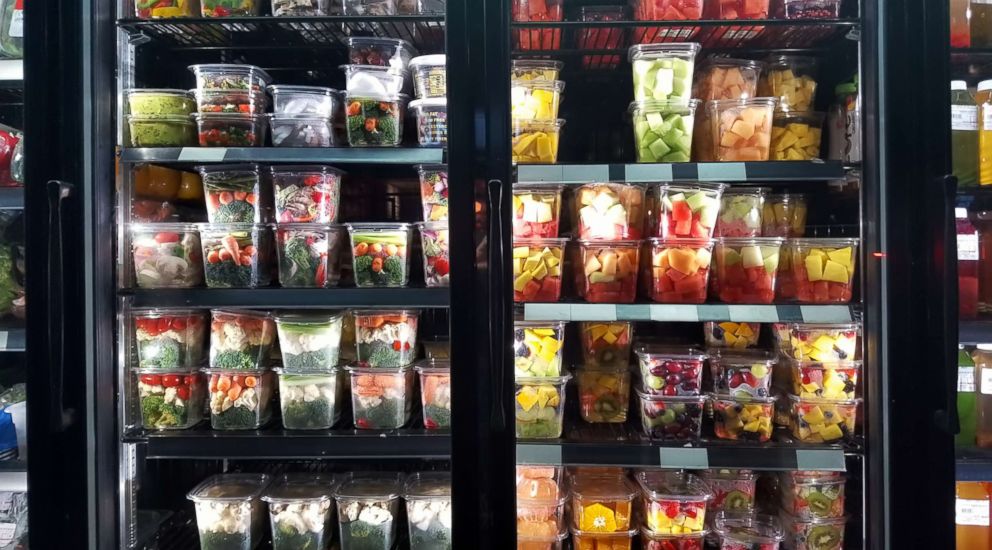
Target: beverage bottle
<point x="960" y="31"/>
<point x="964" y="134"/>
<point x="968" y="258"/>
<point x="971" y="515"/>
<point x="983" y="98"/>
<point x="981" y="23"/>
<point x="983" y="381"/>
<point x="981" y="217"/>
<point x="967" y="400"/>
<point x="844" y="124"/>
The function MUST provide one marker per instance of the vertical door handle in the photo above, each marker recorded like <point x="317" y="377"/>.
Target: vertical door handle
<point x="58" y="193"/>
<point x="947" y="418"/>
<point x="497" y="327"/>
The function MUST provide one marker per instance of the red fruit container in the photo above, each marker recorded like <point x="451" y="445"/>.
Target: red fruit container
<point x="537" y="10"/>
<point x="536" y="211"/>
<point x="666" y="10"/>
<point x="823" y="270"/>
<point x="739" y="9"/>
<point x="610" y="269"/>
<point x="664" y="541"/>
<point x="674" y="502"/>
<point x="680" y="270"/>
<point x="687" y="210"/>
<point x="601" y="38"/>
<point x="746" y="270"/>
<point x="670" y="371"/>
<point x="610" y="211"/>
<point x="748" y="531"/>
<point x="537" y="266"/>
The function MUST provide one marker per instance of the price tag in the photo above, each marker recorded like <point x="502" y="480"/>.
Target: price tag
<point x="680" y="457"/>
<point x="966" y="379"/>
<point x="202" y="154"/>
<point x="7" y="531"/>
<point x="539" y="454"/>
<point x="964" y="117"/>
<point x="971" y="512"/>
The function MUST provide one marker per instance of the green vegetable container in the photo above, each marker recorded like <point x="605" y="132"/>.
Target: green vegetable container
<point x="309" y="254"/>
<point x="310" y="400"/>
<point x="375" y="121"/>
<point x="170" y="399"/>
<point x="435" y="393"/>
<point x="232" y="193"/>
<point x="240" y="339"/>
<point x="237" y="255"/>
<point x="160" y="102"/>
<point x="663" y="130"/>
<point x="386" y="338"/>
<point x="240" y="399"/>
<point x="301" y="509"/>
<point x="309" y="342"/>
<point x="381" y="398"/>
<point x="229" y="511"/>
<point x="368" y="510"/>
<point x="380" y="254"/>
<point x="160" y="131"/>
<point x="428" y="510"/>
<point x="170" y="338"/>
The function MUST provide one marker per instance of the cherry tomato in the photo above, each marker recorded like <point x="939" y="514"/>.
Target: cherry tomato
<point x="182" y="392"/>
<point x="163" y="238"/>
<point x="162" y="325"/>
<point x="151" y="379"/>
<point x="179" y="324"/>
<point x="171" y="380"/>
<point x="189" y="380"/>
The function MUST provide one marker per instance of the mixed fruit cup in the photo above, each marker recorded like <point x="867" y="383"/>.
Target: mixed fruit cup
<point x="606" y="344"/>
<point x="746" y="270"/>
<point x="741" y="374"/>
<point x="674" y="502"/>
<point x="593" y="540"/>
<point x="610" y="211"/>
<point x="817" y="420"/>
<point x="680" y="270"/>
<point x="540" y="406"/>
<point x="536" y="211"/>
<point x="537" y="348"/>
<point x="610" y="270"/>
<point x="677" y="418"/>
<point x="670" y="372"/>
<point x="537" y="267"/>
<point x="833" y="380"/>
<point x="826" y="343"/>
<point x="744" y="418"/>
<point x="820" y="534"/>
<point x="740" y="212"/>
<point x="823" y="269"/>
<point x="604" y="393"/>
<point x="687" y="210"/>
<point x="729" y="334"/>
<point x="813" y="497"/>
<point x="733" y="490"/>
<point x="602" y="503"/>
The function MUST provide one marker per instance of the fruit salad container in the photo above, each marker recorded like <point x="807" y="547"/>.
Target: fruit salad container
<point x="817" y="420"/>
<point x="606" y="344"/>
<point x="536" y="211"/>
<point x="374" y="121"/>
<point x="674" y="502"/>
<point x="536" y="141"/>
<point x="742" y="128"/>
<point x="240" y="399"/>
<point x="304" y="100"/>
<point x="169" y="338"/>
<point x="610" y="270"/>
<point x="428" y="510"/>
<point x="311" y="400"/>
<point x="680" y="270"/>
<point x="170" y="399"/>
<point x="728" y="334"/>
<point x="232" y="193"/>
<point x="432" y="121"/>
<point x="309" y="254"/>
<point x="823" y="342"/>
<point x="539" y="483"/>
<point x="159" y="102"/>
<point x="236" y="255"/>
<point x="664" y="10"/>
<point x="811" y="9"/>
<point x="823" y="270"/>
<point x="746" y="270"/>
<point x="602" y="503"/>
<point x="229" y="510"/>
<point x="369" y="510"/>
<point x="610" y="211"/>
<point x="666" y="541"/>
<point x="785" y="282"/>
<point x="430" y="75"/>
<point x="819" y="534"/>
<point x="301" y="511"/>
<point x="166" y="9"/>
<point x="792" y="80"/>
<point x="687" y="210"/>
<point x="601" y="38"/>
<point x="230" y="101"/>
<point x="733" y="490"/>
<point x="386" y="338"/>
<point x="240" y="339"/>
<point x="595" y="540"/>
<point x="225" y="76"/>
<point x="784" y="215"/>
<point x="306" y="194"/>
<point x="747" y="531"/>
<point x="535" y="69"/>
<point x="663" y="71"/>
<point x="381" y="398"/>
<point x="540" y="406"/>
<point x="383" y="52"/>
<point x="434" y="191"/>
<point x="166" y="255"/>
<point x="435" y="392"/>
<point x="230" y="129"/>
<point x="434" y="241"/>
<point x="741" y="374"/>
<point x="535" y="99"/>
<point x="677" y="418"/>
<point x="833" y="380"/>
<point x="301" y="130"/>
<point x="533" y="11"/>
<point x="663" y="129"/>
<point x="604" y="394"/>
<point x="812" y="498"/>
<point x="309" y="341"/>
<point x="540" y="521"/>
<point x="229" y="8"/>
<point x="537" y="265"/>
<point x="739" y="9"/>
<point x="743" y="418"/>
<point x="726" y="78"/>
<point x="796" y="135"/>
<point x="374" y="80"/>
<point x="670" y="371"/>
<point x="160" y="131"/>
<point x="740" y="212"/>
<point x="379" y="254"/>
<point x="537" y="348"/>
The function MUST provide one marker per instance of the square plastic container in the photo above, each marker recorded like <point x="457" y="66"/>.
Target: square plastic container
<point x="306" y="194"/>
<point x="817" y="420"/>
<point x="610" y="211"/>
<point x="374" y="121"/>
<point x="160" y="131"/>
<point x="743" y="418"/>
<point x="823" y="270"/>
<point x="240" y="339"/>
<point x="602" y="503"/>
<point x="811" y="9"/>
<point x="679" y="12"/>
<point x="369" y="510"/>
<point x="301" y="511"/>
<point x="311" y="400"/>
<point x="170" y="399"/>
<point x="169" y="339"/>
<point x="429" y="75"/>
<point x="230" y="130"/>
<point x="230" y="101"/>
<point x="813" y="534"/>
<point x="434" y="245"/>
<point x="370" y="7"/>
<point x="670" y="371"/>
<point x="309" y="254"/>
<point x="604" y="393"/>
<point x="434" y="191"/>
<point x="726" y="78"/>
<point x="671" y="418"/>
<point x="739" y="9"/>
<point x="537" y="10"/>
<point x="702" y="135"/>
<point x="661" y="541"/>
<point x="380" y="254"/>
<point x="742" y="129"/>
<point x="386" y="338"/>
<point x="304" y="100"/>
<point x="381" y="398"/>
<point x="309" y="341"/>
<point x="150" y="102"/>
<point x="536" y="211"/>
<point x="792" y="80"/>
<point x="833" y="380"/>
<point x="296" y="8"/>
<point x="535" y="69"/>
<point x="535" y="99"/>
<point x="222" y="8"/>
<point x="606" y="344"/>
<point x="435" y="392"/>
<point x="680" y="270"/>
<point x="666" y="492"/>
<point x="384" y="52"/>
<point x="232" y="193"/>
<point x="610" y="269"/>
<point x="733" y="490"/>
<point x="728" y="334"/>
<point x="740" y="212"/>
<point x="540" y="523"/>
<point x="301" y="131"/>
<point x="374" y="80"/>
<point x="784" y="215"/>
<point x="240" y="399"/>
<point x="223" y="76"/>
<point x="796" y="135"/>
<point x="428" y="510"/>
<point x="742" y="374"/>
<point x="663" y="129"/>
<point x="432" y="121"/>
<point x="824" y="342"/>
<point x="229" y="510"/>
<point x="748" y="530"/>
<point x="687" y="210"/>
<point x="167" y="255"/>
<point x="438" y="349"/>
<point x="536" y="142"/>
<point x="785" y="283"/>
<point x="746" y="270"/>
<point x="601" y="38"/>
<point x="540" y="406"/>
<point x="237" y="255"/>
<point x="166" y="9"/>
<point x="663" y="71"/>
<point x="592" y="540"/>
<point x="812" y="498"/>
<point x="539" y="483"/>
<point x="537" y="348"/>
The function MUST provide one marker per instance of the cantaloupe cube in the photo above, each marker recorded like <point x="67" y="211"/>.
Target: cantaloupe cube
<point x="743" y="128"/>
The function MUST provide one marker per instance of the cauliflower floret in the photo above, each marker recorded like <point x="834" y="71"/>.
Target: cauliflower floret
<point x="170" y="395"/>
<point x="311" y="393"/>
<point x="375" y="515"/>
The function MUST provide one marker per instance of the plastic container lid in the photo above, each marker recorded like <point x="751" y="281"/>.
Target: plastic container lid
<point x="649" y="351"/>
<point x="684" y="399"/>
<point x="655" y="105"/>
<point x="537" y="187"/>
<point x="424" y="168"/>
<point x="230" y="488"/>
<point x="208" y="169"/>
<point x="839" y="364"/>
<point x="172" y="119"/>
<point x="152" y="312"/>
<point x="371" y="40"/>
<point x="538" y="324"/>
<point x="747" y="527"/>
<point x="605" y="243"/>
<point x="959" y="85"/>
<point x="540" y="241"/>
<point x="428" y="486"/>
<point x="385" y="312"/>
<point x="301" y="117"/>
<point x="984" y="347"/>
<point x="602" y="488"/>
<point x="782" y="61"/>
<point x="720" y="104"/>
<point x="259" y="372"/>
<point x="667" y="485"/>
<point x="603" y="535"/>
<point x="553" y="380"/>
<point x="695" y="186"/>
<point x="806" y="327"/>
<point x="667" y="536"/>
<point x="429" y="104"/>
<point x="539" y="64"/>
<point x="377" y="226"/>
<point x="162" y="372"/>
<point x="241" y="313"/>
<point x="683" y="48"/>
<point x="541" y="125"/>
<point x="730" y="62"/>
<point x="433" y="366"/>
<point x="230" y="227"/>
<point x="234" y="68"/>
<point x="230" y="117"/>
<point x="370" y="486"/>
<point x="554" y="85"/>
<point x="305" y="169"/>
<point x="294" y="89"/>
<point x="428" y="61"/>
<point x="755" y="241"/>
<point x="695" y="242"/>
<point x="315" y="372"/>
<point x="310" y="317"/>
<point x="728" y="473"/>
<point x="293" y="488"/>
<point x="731" y="356"/>
<point x="163" y="227"/>
<point x="358" y="368"/>
<point x="828" y="242"/>
<point x="746" y="191"/>
<point x="743" y="398"/>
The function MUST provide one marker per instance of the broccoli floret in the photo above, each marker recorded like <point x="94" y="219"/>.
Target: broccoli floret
<point x="286" y="537"/>
<point x="439" y="415"/>
<point x="235" y="212"/>
<point x="395" y="270"/>
<point x="234" y="359"/>
<point x="156" y="412"/>
<point x="381" y="354"/>
<point x="363" y="270"/>
<point x="150" y="406"/>
<point x="386" y="415"/>
<point x="298" y="264"/>
<point x="356" y="125"/>
<point x="302" y="415"/>
<point x="387" y="129"/>
<point x="309" y="360"/>
<point x="227" y="275"/>
<point x="359" y="535"/>
<point x="163" y="352"/>
<point x="222" y="541"/>
<point x="436" y="537"/>
<point x="236" y="418"/>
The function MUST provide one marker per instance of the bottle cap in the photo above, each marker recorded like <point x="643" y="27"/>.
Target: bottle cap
<point x="959" y="85"/>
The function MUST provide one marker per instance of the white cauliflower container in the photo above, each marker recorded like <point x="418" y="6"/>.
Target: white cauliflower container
<point x="428" y="510"/>
<point x="309" y="342"/>
<point x="240" y="399"/>
<point x="301" y="509"/>
<point x="310" y="400"/>
<point x="368" y="508"/>
<point x="229" y="512"/>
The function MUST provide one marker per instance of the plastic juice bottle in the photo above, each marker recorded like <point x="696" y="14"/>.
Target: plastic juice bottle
<point x="983" y="382"/>
<point x="971" y="515"/>
<point x="984" y="101"/>
<point x="844" y="124"/>
<point x="960" y="32"/>
<point x="968" y="257"/>
<point x="964" y="134"/>
<point x="981" y="218"/>
<point x="967" y="400"/>
<point x="981" y="23"/>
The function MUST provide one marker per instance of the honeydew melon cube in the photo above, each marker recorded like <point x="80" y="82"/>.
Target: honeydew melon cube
<point x="730" y="256"/>
<point x="703" y="257"/>
<point x="656" y="122"/>
<point x="677" y="156"/>
<point x="600" y="277"/>
<point x="751" y="256"/>
<point x="658" y="149"/>
<point x="696" y="200"/>
<point x="664" y="83"/>
<point x="604" y="201"/>
<point x="609" y="261"/>
<point x="592" y="265"/>
<point x="771" y="263"/>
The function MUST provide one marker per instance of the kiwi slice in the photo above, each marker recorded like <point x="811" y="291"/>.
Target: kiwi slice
<point x="606" y="356"/>
<point x="736" y="500"/>
<point x="607" y="404"/>
<point x="823" y="537"/>
<point x="819" y="503"/>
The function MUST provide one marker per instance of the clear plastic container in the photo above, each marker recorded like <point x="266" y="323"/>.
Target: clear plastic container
<point x="602" y="503"/>
<point x="816" y="420"/>
<point x="604" y="393"/>
<point x="680" y="270"/>
<point x="303" y="100"/>
<point x="374" y="121"/>
<point x="687" y="210"/>
<point x="386" y="338"/>
<point x="435" y="392"/>
<point x="784" y="215"/>
<point x="428" y="510"/>
<point x="606" y="344"/>
<point x="732" y="490"/>
<point x="311" y="400"/>
<point x="811" y="9"/>
<point x="601" y="38"/>
<point x="813" y="534"/>
<point x="743" y="418"/>
<point x="224" y="76"/>
<point x="370" y="7"/>
<point x="535" y="99"/>
<point x="434" y="191"/>
<point x="438" y="349"/>
<point x="671" y="371"/>
<point x="610" y="211"/>
<point x="160" y="131"/>
<point x="833" y="380"/>
<point x="166" y="255"/>
<point x="532" y="11"/>
<point x="740" y="212"/>
<point x="728" y="334"/>
<point x="674" y="502"/>
<point x="537" y="348"/>
<point x="240" y="339"/>
<point x="540" y="523"/>
<point x="823" y="342"/>
<point x="229" y="511"/>
<point x="742" y="374"/>
<point x="536" y="142"/>
<point x="381" y="398"/>
<point x="306" y="194"/>
<point x="434" y="245"/>
<point x="739" y="9"/>
<point x="230" y="129"/>
<point x="746" y="270"/>
<point x="380" y="254"/>
<point x="661" y="541"/>
<point x="535" y="69"/>
<point x="301" y="511"/>
<point x="677" y="418"/>
<point x="823" y="270"/>
<point x="610" y="269"/>
<point x="540" y="406"/>
<point x="170" y="399"/>
<point x="227" y="8"/>
<point x="232" y="193"/>
<point x="169" y="338"/>
<point x="309" y="254"/>
<point x="663" y="129"/>
<point x="384" y="52"/>
<point x="240" y="399"/>
<point x="374" y="80"/>
<point x="785" y="283"/>
<point x="237" y="255"/>
<point x="796" y="135"/>
<point x="791" y="79"/>
<point x="301" y="131"/>
<point x="151" y="102"/>
<point x="429" y="75"/>
<point x="811" y="498"/>
<point x="432" y="121"/>
<point x="296" y="8"/>
<point x="742" y="129"/>
<point x="536" y="211"/>
<point x="748" y="530"/>
<point x="368" y="510"/>
<point x="726" y="78"/>
<point x="230" y="101"/>
<point x="537" y="269"/>
<point x="309" y="341"/>
<point x="594" y="540"/>
<point x="663" y="71"/>
<point x="539" y="483"/>
<point x="165" y="9"/>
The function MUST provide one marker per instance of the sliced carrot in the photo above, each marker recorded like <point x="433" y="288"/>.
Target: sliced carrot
<point x="223" y="383"/>
<point x="251" y="381"/>
<point x="234" y="392"/>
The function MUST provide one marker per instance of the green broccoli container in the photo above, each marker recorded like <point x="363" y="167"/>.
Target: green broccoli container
<point x="369" y="510"/>
<point x="232" y="193"/>
<point x="301" y="509"/>
<point x="428" y="510"/>
<point x="240" y="339"/>
<point x="240" y="399"/>
<point x="381" y="399"/>
<point x="170" y="399"/>
<point x="386" y="338"/>
<point x="380" y="254"/>
<point x="310" y="401"/>
<point x="229" y="511"/>
<point x="310" y="342"/>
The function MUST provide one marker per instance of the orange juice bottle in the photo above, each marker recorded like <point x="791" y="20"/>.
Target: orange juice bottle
<point x="983" y="98"/>
<point x="971" y="515"/>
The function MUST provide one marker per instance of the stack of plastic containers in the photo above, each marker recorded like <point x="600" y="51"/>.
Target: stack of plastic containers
<point x="160" y="118"/>
<point x="434" y="228"/>
<point x="540" y="508"/>
<point x="747" y="530"/>
<point x="602" y="509"/>
<point x="382" y="381"/>
<point x="670" y="392"/>
<point x="813" y="509"/>
<point x="231" y="103"/>
<point x="535" y="95"/>
<point x="604" y="374"/>
<point x="610" y="226"/>
<point x="674" y="508"/>
<point x="540" y="381"/>
<point x="311" y="385"/>
<point x="374" y="101"/>
<point x="663" y="111"/>
<point x="743" y="408"/>
<point x="538" y="253"/>
<point x="431" y="105"/>
<point x="797" y="128"/>
<point x="304" y="116"/>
